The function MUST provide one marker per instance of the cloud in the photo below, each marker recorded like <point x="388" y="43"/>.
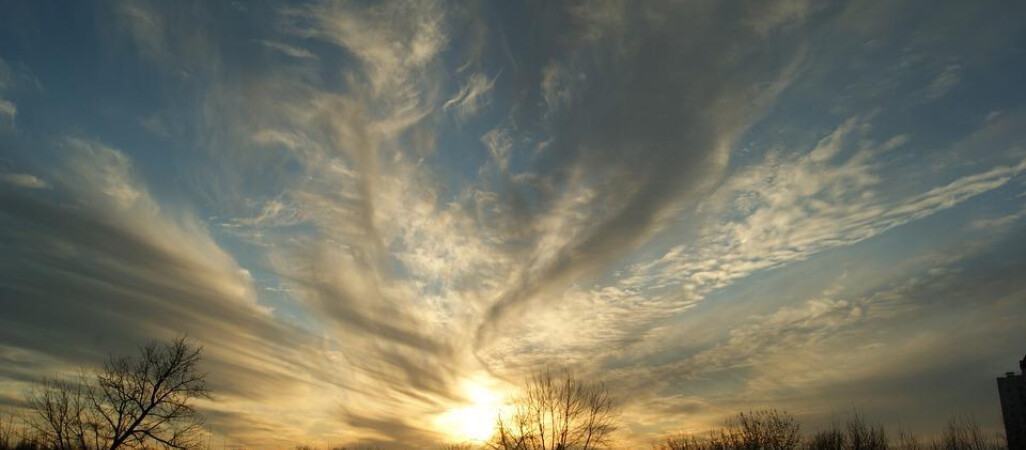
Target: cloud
<point x="775" y="212"/>
<point x="764" y="17"/>
<point x="786" y="209"/>
<point x="288" y="50"/>
<point x="156" y="123"/>
<point x="16" y="80"/>
<point x="644" y="145"/>
<point x="24" y="180"/>
<point x="9" y="110"/>
<point x="100" y="262"/>
<point x="390" y="39"/>
<point x="499" y="145"/>
<point x="997" y="223"/>
<point x="867" y="344"/>
<point x="358" y="237"/>
<point x="182" y="39"/>
<point x="557" y="86"/>
<point x="944" y="82"/>
<point x="145" y="25"/>
<point x="472" y="97"/>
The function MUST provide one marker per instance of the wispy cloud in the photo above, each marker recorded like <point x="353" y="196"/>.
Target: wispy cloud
<point x="944" y="82"/>
<point x="24" y="180"/>
<point x="124" y="260"/>
<point x="8" y="110"/>
<point x="997" y="223"/>
<point x="786" y="209"/>
<point x="472" y="97"/>
<point x="289" y="50"/>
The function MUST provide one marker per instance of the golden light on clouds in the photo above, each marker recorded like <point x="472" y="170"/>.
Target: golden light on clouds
<point x="473" y="421"/>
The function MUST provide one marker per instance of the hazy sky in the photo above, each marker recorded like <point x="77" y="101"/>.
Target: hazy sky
<point x="376" y="216"/>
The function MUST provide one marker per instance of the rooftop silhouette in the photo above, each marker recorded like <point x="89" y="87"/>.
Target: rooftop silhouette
<point x="1012" y="390"/>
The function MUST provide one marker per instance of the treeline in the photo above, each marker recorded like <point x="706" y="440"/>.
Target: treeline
<point x="777" y="430"/>
<point x="559" y="411"/>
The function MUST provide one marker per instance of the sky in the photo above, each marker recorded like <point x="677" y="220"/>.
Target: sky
<point x="378" y="218"/>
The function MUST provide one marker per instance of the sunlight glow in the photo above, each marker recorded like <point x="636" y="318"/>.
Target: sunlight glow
<point x="473" y="421"/>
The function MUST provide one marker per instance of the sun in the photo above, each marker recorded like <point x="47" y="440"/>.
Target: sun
<point x="473" y="421"/>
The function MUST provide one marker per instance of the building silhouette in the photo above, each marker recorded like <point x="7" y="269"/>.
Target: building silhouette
<point x="1012" y="389"/>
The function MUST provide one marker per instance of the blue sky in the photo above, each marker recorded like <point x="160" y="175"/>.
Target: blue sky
<point x="368" y="213"/>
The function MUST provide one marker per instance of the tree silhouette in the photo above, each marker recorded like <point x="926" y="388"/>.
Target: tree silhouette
<point x="963" y="432"/>
<point x="758" y="430"/>
<point x="856" y="434"/>
<point x="682" y="441"/>
<point x="557" y="413"/>
<point x="60" y="416"/>
<point x="753" y="430"/>
<point x="133" y="401"/>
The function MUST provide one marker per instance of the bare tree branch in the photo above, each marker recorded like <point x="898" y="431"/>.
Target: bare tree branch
<point x="138" y="401"/>
<point x="557" y="413"/>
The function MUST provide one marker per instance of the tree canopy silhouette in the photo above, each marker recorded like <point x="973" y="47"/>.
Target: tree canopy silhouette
<point x="133" y="401"/>
<point x="556" y="413"/>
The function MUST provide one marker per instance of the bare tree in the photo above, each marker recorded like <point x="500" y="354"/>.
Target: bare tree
<point x="829" y="439"/>
<point x="59" y="414"/>
<point x="137" y="401"/>
<point x="681" y="441"/>
<point x="754" y="430"/>
<point x="148" y="398"/>
<point x="963" y="432"/>
<point x="862" y="436"/>
<point x="557" y="413"/>
<point x="9" y="432"/>
<point x="758" y="430"/>
<point x="908" y="441"/>
<point x="854" y="434"/>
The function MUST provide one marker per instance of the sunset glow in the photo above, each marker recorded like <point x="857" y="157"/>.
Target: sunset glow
<point x="475" y="421"/>
<point x="376" y="223"/>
